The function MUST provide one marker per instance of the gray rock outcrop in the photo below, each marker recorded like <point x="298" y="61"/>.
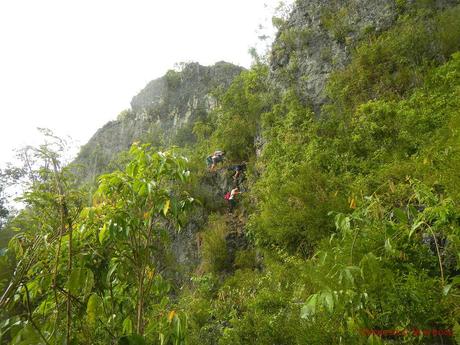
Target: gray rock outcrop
<point x="319" y="36"/>
<point x="162" y="113"/>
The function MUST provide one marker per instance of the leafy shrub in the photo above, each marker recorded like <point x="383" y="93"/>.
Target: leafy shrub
<point x="214" y="253"/>
<point x="173" y="79"/>
<point x="336" y="22"/>
<point x="236" y="120"/>
<point x="390" y="65"/>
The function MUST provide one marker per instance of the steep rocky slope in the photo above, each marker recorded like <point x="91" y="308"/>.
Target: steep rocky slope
<point x="162" y="113"/>
<point x="319" y="36"/>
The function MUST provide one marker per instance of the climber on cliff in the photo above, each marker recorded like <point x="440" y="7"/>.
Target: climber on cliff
<point x="217" y="156"/>
<point x="209" y="161"/>
<point x="238" y="168"/>
<point x="232" y="199"/>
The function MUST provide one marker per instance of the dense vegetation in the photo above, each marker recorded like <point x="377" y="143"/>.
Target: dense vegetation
<point x="3" y="208"/>
<point x="350" y="220"/>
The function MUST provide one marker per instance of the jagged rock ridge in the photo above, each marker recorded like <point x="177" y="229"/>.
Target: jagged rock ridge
<point x="162" y="112"/>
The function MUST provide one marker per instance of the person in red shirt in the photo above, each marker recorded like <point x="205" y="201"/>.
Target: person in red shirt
<point x="232" y="199"/>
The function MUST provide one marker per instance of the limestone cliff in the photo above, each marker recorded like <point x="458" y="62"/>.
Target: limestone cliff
<point x="319" y="36"/>
<point x="162" y="113"/>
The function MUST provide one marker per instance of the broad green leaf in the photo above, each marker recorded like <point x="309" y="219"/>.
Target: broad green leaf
<point x="112" y="269"/>
<point x="27" y="336"/>
<point x="127" y="326"/>
<point x="93" y="308"/>
<point x="446" y="289"/>
<point x="81" y="281"/>
<point x="374" y="340"/>
<point x="103" y="234"/>
<point x="143" y="190"/>
<point x="415" y="227"/>
<point x="46" y="306"/>
<point x="328" y="301"/>
<point x="166" y="207"/>
<point x="456" y="330"/>
<point x="342" y="222"/>
<point x="388" y="246"/>
<point x="309" y="308"/>
<point x="400" y="215"/>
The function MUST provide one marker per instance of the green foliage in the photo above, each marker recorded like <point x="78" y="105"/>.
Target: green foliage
<point x="184" y="136"/>
<point x="391" y="64"/>
<point x="3" y="209"/>
<point x="306" y="175"/>
<point x="384" y="159"/>
<point x="336" y="22"/>
<point x="173" y="79"/>
<point x="294" y="38"/>
<point x="240" y="108"/>
<point x="126" y="115"/>
<point x="376" y="263"/>
<point x="294" y="195"/>
<point x="131" y="218"/>
<point x="353" y="217"/>
<point x="214" y="254"/>
<point x="92" y="275"/>
<point x="258" y="306"/>
<point x="246" y="259"/>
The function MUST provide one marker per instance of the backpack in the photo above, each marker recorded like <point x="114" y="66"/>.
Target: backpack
<point x="227" y="196"/>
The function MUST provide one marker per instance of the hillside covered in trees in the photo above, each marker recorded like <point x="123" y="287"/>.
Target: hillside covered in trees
<point x="346" y="229"/>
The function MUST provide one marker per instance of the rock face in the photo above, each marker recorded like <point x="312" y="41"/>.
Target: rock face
<point x="185" y="245"/>
<point x="162" y="113"/>
<point x="180" y="97"/>
<point x="316" y="39"/>
<point x="319" y="35"/>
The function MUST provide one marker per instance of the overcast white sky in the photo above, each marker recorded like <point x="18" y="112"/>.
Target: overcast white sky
<point x="71" y="66"/>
